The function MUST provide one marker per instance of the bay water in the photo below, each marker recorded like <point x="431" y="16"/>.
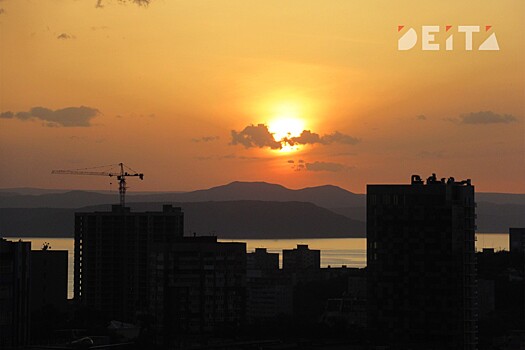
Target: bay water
<point x="335" y="252"/>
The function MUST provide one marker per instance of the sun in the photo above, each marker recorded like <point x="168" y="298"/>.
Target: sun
<point x="285" y="128"/>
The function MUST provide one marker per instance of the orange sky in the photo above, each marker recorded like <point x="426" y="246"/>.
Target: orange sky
<point x="165" y="85"/>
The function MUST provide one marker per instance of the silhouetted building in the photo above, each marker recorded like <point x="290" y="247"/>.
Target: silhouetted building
<point x="49" y="271"/>
<point x="517" y="250"/>
<point x="517" y="239"/>
<point x="49" y="279"/>
<point x="349" y="310"/>
<point x="486" y="282"/>
<point x="300" y="259"/>
<point x="261" y="260"/>
<point x="270" y="291"/>
<point x="15" y="265"/>
<point x="269" y="297"/>
<point x="421" y="264"/>
<point x="486" y="298"/>
<point x="197" y="285"/>
<point x="501" y="298"/>
<point x="111" y="258"/>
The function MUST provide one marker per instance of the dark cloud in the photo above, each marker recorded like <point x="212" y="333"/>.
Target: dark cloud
<point x="67" y="117"/>
<point x="65" y="36"/>
<point x="486" y="117"/>
<point x="251" y="158"/>
<point x="255" y="136"/>
<point x="290" y="161"/>
<point x="228" y="156"/>
<point x="300" y="165"/>
<point x="308" y="137"/>
<point x="325" y="166"/>
<point x="338" y="137"/>
<point x="344" y="154"/>
<point x="205" y="139"/>
<point x="138" y="2"/>
<point x="7" y="115"/>
<point x="2" y="11"/>
<point x="260" y="136"/>
<point x="421" y="117"/>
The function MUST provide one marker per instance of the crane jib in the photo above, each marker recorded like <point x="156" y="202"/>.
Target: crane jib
<point x="121" y="176"/>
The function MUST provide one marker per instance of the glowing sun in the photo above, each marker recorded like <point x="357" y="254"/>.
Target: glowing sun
<point x="283" y="128"/>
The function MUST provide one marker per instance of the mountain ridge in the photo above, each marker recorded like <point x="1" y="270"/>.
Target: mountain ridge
<point x="496" y="211"/>
<point x="227" y="219"/>
<point x="325" y="196"/>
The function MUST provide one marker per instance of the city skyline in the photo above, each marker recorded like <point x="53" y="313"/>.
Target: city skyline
<point x="140" y="281"/>
<point x="196" y="95"/>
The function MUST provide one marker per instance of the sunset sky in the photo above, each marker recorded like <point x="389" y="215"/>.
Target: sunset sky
<point x="196" y="94"/>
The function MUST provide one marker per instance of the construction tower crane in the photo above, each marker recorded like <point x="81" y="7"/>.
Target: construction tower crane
<point x="121" y="176"/>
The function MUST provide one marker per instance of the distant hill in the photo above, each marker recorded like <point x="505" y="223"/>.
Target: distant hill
<point x="230" y="219"/>
<point x="325" y="196"/>
<point x="496" y="211"/>
<point x="500" y="198"/>
<point x="28" y="190"/>
<point x="497" y="218"/>
<point x="39" y="191"/>
<point x="36" y="222"/>
<point x="70" y="199"/>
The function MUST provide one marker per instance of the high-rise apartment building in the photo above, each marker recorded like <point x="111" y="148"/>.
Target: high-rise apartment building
<point x="111" y="257"/>
<point x="421" y="264"/>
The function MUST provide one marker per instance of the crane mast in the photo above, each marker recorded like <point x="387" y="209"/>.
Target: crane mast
<point x="121" y="177"/>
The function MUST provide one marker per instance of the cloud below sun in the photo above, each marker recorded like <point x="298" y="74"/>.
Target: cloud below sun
<point x="260" y="136"/>
<point x="301" y="165"/>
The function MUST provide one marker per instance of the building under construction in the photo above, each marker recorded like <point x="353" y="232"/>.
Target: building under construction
<point x="111" y="257"/>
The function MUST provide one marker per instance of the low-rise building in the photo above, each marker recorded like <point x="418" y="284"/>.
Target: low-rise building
<point x="301" y="259"/>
